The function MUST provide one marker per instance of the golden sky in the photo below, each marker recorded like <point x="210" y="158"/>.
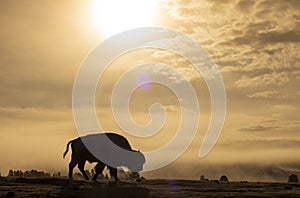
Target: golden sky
<point x="254" y="43"/>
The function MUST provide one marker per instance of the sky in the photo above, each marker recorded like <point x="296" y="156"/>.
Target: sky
<point x="255" y="45"/>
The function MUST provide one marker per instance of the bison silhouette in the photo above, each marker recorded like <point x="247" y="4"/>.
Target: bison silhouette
<point x="103" y="145"/>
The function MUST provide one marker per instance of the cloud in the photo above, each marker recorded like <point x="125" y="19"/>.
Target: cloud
<point x="263" y="94"/>
<point x="256" y="46"/>
<point x="271" y="128"/>
<point x="263" y="80"/>
<point x="254" y="39"/>
<point x="35" y="93"/>
<point x="280" y="108"/>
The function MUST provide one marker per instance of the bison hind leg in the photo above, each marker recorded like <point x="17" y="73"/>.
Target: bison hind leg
<point x="99" y="168"/>
<point x="72" y="164"/>
<point x="81" y="168"/>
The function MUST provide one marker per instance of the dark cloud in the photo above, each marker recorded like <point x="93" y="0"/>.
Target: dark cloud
<point x="254" y="37"/>
<point x="245" y="6"/>
<point x="35" y="93"/>
<point x="284" y="127"/>
<point x="259" y="128"/>
<point x="262" y="144"/>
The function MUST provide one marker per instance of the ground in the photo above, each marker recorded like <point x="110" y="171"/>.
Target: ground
<point x="52" y="187"/>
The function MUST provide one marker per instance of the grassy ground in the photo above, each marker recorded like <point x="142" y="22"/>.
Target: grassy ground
<point x="52" y="187"/>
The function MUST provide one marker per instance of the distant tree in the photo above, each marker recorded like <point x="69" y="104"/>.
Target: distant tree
<point x="293" y="178"/>
<point x="19" y="173"/>
<point x="10" y="173"/>
<point x="31" y="173"/>
<point x="27" y="174"/>
<point x="224" y="178"/>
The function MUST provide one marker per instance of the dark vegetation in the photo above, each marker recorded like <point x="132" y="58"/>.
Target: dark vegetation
<point x="123" y="174"/>
<point x="31" y="173"/>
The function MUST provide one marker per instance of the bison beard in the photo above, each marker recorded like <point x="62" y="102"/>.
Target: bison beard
<point x="97" y="142"/>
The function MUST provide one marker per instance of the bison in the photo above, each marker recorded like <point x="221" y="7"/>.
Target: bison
<point x="99" y="143"/>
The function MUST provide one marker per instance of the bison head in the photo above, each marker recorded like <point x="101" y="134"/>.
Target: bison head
<point x="136" y="162"/>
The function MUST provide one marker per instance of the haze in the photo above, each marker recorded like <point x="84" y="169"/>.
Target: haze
<point x="255" y="44"/>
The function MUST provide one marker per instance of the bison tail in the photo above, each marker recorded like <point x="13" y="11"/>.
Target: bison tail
<point x="67" y="149"/>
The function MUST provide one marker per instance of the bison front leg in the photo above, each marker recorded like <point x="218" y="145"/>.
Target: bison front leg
<point x="99" y="168"/>
<point x="113" y="172"/>
<point x="81" y="168"/>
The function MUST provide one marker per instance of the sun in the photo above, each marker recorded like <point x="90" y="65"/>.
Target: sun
<point x="113" y="16"/>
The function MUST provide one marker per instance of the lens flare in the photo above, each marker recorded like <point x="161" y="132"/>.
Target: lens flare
<point x="143" y="81"/>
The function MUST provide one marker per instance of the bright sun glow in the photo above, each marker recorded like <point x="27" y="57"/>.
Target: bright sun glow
<point x="113" y="16"/>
